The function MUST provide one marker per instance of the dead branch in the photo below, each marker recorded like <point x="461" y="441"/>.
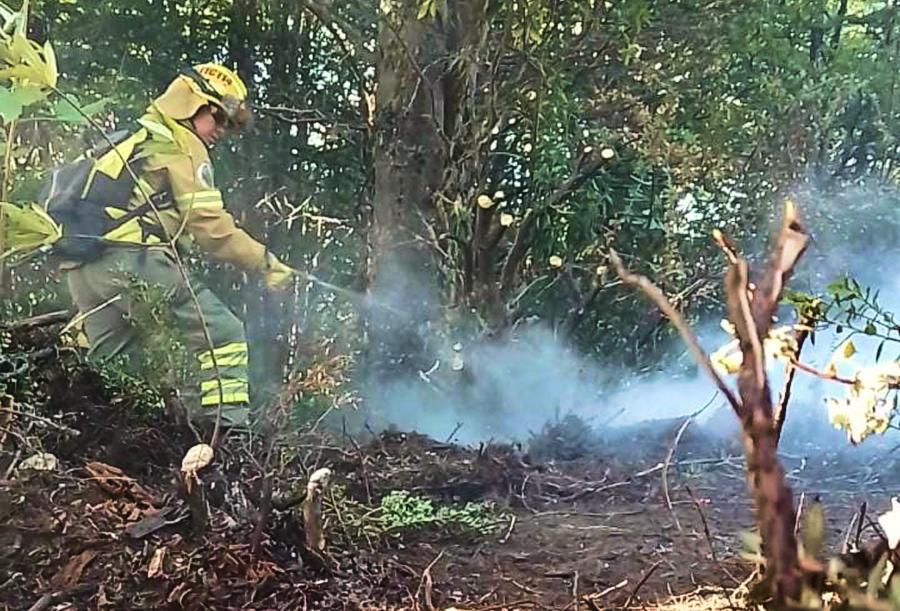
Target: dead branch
<point x="603" y="488"/>
<point x="426" y="584"/>
<point x="513" y="604"/>
<point x="790" y="374"/>
<point x="751" y="311"/>
<point x="799" y="518"/>
<point x="709" y="540"/>
<point x="575" y="596"/>
<point x="821" y="374"/>
<point x="792" y="243"/>
<point x="274" y="420"/>
<point x="265" y="511"/>
<point x="42" y="320"/>
<point x="671" y="454"/>
<point x="45" y="601"/>
<point x="687" y="334"/>
<point x="665" y="470"/>
<point x="591" y="599"/>
<point x="576" y="316"/>
<point x="737" y="289"/>
<point x="706" y="531"/>
<point x="640" y="584"/>
<point x="512" y="525"/>
<point x="481" y="243"/>
<point x="42" y="420"/>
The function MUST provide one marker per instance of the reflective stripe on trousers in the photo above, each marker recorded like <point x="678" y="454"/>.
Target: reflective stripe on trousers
<point x="230" y="385"/>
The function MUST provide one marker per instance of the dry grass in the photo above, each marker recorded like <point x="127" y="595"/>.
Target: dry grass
<point x="702" y="599"/>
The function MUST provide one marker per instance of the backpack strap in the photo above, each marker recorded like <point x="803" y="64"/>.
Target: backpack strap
<point x="158" y="201"/>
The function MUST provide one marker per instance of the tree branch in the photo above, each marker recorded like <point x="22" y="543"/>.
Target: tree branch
<point x="582" y="174"/>
<point x="790" y="374"/>
<point x="322" y="12"/>
<point x="687" y="334"/>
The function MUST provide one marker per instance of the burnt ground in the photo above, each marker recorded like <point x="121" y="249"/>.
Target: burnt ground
<point x="588" y="532"/>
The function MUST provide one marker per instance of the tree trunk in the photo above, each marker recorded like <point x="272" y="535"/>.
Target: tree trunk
<point x="243" y="24"/>
<point x="752" y="315"/>
<point x="409" y="161"/>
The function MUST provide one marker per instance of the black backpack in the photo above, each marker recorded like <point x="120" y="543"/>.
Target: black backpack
<point x="79" y="207"/>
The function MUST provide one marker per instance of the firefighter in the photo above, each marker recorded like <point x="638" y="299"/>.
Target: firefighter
<point x="172" y="202"/>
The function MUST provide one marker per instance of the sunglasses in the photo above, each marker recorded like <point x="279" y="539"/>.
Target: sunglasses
<point x="222" y="119"/>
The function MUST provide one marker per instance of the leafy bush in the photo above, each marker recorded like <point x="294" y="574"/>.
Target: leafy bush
<point x="402" y="514"/>
<point x="404" y="511"/>
<point x="566" y="438"/>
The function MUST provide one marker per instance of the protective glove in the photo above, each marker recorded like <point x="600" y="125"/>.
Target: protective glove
<point x="278" y="275"/>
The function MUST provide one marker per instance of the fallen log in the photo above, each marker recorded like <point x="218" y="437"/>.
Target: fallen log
<point x="41" y="320"/>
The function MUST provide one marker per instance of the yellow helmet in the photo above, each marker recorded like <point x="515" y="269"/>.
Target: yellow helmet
<point x="206" y="84"/>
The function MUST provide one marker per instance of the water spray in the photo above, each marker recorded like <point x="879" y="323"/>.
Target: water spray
<point x="360" y="300"/>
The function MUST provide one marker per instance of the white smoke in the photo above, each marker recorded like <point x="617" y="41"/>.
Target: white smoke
<point x="506" y="389"/>
<point x="491" y="389"/>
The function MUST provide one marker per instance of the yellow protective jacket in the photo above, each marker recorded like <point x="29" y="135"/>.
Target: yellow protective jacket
<point x="174" y="169"/>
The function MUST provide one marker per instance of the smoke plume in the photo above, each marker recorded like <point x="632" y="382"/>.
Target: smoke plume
<point x="506" y="389"/>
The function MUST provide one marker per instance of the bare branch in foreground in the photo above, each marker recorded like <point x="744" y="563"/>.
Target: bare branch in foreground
<point x="687" y="334"/>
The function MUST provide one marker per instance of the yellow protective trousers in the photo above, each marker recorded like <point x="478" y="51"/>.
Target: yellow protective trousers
<point x="220" y="371"/>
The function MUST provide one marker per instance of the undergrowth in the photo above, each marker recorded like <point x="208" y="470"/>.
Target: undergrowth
<point x="401" y="515"/>
<point x="568" y="438"/>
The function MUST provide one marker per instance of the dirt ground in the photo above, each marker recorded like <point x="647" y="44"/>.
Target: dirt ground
<point x="584" y="534"/>
<point x="637" y="523"/>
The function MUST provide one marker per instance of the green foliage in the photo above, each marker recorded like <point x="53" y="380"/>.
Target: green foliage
<point x="849" y="308"/>
<point x="402" y="514"/>
<point x="14" y="100"/>
<point x="127" y="385"/>
<point x="16" y="384"/>
<point x="857" y="578"/>
<point x="402" y="511"/>
<point x="705" y="125"/>
<point x="66" y="112"/>
<point x="29" y="301"/>
<point x="164" y="362"/>
<point x="143" y="380"/>
<point x="566" y="438"/>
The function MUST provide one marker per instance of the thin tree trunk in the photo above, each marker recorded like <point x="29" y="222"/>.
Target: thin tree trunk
<point x="752" y="317"/>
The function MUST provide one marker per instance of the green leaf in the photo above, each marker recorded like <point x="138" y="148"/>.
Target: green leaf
<point x="63" y="111"/>
<point x="814" y="529"/>
<point x="895" y="591"/>
<point x="841" y="288"/>
<point x="870" y="329"/>
<point x="13" y="101"/>
<point x="875" y="575"/>
<point x="751" y="542"/>
<point x="52" y="71"/>
<point x="96" y="107"/>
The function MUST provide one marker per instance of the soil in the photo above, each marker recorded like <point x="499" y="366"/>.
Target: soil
<point x="622" y="526"/>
